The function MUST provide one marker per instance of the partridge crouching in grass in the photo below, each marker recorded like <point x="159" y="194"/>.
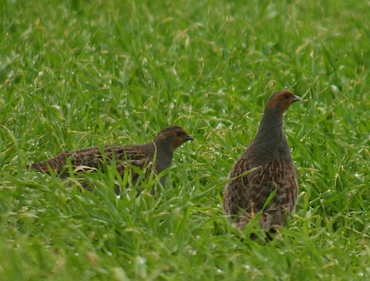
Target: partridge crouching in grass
<point x="160" y="151"/>
<point x="271" y="186"/>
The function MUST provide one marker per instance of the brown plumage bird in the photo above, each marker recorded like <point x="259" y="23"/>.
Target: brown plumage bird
<point x="161" y="150"/>
<point x="271" y="170"/>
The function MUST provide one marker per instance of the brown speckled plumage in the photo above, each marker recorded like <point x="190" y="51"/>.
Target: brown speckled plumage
<point x="89" y="159"/>
<point x="269" y="156"/>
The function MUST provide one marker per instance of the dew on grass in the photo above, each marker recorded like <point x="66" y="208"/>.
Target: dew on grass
<point x="140" y="260"/>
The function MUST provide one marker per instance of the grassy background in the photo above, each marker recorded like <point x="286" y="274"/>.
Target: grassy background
<point x="80" y="73"/>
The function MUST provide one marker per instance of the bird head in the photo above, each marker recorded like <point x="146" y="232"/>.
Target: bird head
<point x="282" y="100"/>
<point x="175" y="136"/>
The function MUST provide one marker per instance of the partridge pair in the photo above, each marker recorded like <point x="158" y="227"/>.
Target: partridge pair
<point x="160" y="151"/>
<point x="270" y="187"/>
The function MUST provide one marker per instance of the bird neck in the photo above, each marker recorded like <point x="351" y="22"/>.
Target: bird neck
<point x="162" y="154"/>
<point x="270" y="139"/>
<point x="163" y="149"/>
<point x="271" y="123"/>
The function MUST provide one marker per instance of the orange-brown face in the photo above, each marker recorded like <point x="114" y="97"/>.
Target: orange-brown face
<point x="175" y="135"/>
<point x="282" y="99"/>
<point x="179" y="137"/>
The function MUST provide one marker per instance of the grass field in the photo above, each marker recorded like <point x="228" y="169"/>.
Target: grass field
<point x="80" y="73"/>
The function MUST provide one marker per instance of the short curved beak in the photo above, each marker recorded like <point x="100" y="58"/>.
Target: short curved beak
<point x="296" y="98"/>
<point x="189" y="138"/>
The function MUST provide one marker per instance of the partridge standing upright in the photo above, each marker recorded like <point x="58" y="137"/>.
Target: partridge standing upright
<point x="271" y="169"/>
<point x="89" y="159"/>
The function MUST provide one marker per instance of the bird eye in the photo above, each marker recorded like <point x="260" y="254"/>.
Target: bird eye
<point x="287" y="96"/>
<point x="179" y="134"/>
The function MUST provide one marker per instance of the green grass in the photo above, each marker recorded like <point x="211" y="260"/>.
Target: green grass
<point x="79" y="73"/>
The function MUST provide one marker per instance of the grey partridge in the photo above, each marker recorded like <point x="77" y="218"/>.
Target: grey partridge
<point x="160" y="151"/>
<point x="271" y="186"/>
